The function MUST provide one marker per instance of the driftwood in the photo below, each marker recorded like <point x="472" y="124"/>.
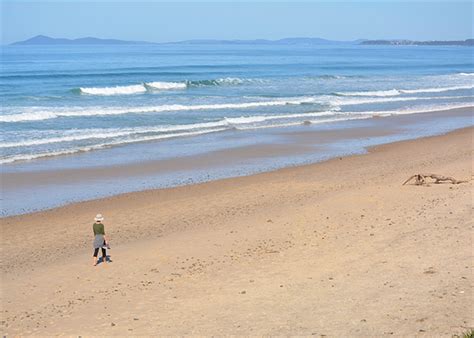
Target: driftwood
<point x="420" y="179"/>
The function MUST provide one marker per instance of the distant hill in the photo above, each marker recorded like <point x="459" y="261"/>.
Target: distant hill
<point x="467" y="42"/>
<point x="46" y="40"/>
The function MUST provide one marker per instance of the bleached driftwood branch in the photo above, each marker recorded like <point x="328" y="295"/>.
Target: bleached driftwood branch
<point x="421" y="179"/>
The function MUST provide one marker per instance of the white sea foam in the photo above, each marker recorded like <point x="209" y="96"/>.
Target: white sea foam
<point x="349" y="116"/>
<point x="391" y="92"/>
<point x="160" y="85"/>
<point x="412" y="110"/>
<point x="132" y="89"/>
<point x="231" y="81"/>
<point x="435" y="90"/>
<point x="396" y="92"/>
<point x="33" y="116"/>
<point x="362" y="115"/>
<point x="225" y="81"/>
<point x="262" y="118"/>
<point x="141" y="134"/>
<point x="38" y="114"/>
<point x="341" y="118"/>
<point x="165" y="85"/>
<point x="43" y="114"/>
<point x="79" y="137"/>
<point x="97" y="134"/>
<point x="92" y="134"/>
<point x="27" y="157"/>
<point x="118" y="90"/>
<point x="349" y="101"/>
<point x="428" y="109"/>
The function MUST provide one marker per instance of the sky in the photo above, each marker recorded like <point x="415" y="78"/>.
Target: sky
<point x="160" y="21"/>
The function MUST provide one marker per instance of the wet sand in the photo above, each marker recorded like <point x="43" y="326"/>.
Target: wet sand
<point x="338" y="248"/>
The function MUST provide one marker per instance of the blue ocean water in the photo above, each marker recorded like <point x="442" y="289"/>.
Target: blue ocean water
<point x="59" y="100"/>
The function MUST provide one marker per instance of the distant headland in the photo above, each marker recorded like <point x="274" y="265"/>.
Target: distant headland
<point x="46" y="40"/>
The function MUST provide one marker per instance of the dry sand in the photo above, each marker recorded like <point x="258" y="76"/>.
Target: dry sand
<point x="339" y="248"/>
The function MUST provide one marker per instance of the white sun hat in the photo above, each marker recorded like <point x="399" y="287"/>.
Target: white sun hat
<point x="99" y="217"/>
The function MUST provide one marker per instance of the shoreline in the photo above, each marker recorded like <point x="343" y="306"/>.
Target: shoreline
<point x="229" y="180"/>
<point x="126" y="195"/>
<point x="294" y="251"/>
<point x="295" y="147"/>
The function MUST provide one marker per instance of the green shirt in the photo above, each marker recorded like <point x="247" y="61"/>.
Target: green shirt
<point x="98" y="229"/>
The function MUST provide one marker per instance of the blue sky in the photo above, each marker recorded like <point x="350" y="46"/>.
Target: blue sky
<point x="161" y="21"/>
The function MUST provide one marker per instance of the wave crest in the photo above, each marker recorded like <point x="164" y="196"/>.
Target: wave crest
<point x="116" y="137"/>
<point x="396" y="92"/>
<point x="332" y="101"/>
<point x="161" y="85"/>
<point x="392" y="92"/>
<point x="117" y="90"/>
<point x="39" y="115"/>
<point x="226" y="81"/>
<point x="165" y="85"/>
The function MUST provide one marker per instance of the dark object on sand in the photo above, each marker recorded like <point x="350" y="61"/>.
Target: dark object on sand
<point x="420" y="179"/>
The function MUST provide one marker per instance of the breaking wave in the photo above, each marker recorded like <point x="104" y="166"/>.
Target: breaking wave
<point x="26" y="157"/>
<point x="396" y="92"/>
<point x="118" y="90"/>
<point x="37" y="115"/>
<point x="227" y="81"/>
<point x="165" y="85"/>
<point x="91" y="134"/>
<point x="92" y="139"/>
<point x="159" y="86"/>
<point x="335" y="102"/>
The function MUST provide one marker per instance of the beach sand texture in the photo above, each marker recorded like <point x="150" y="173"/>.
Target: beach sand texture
<point x="338" y="248"/>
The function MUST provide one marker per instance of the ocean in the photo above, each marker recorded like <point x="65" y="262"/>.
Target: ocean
<point x="116" y="105"/>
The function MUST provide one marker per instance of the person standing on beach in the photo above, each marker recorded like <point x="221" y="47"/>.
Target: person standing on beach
<point x="100" y="242"/>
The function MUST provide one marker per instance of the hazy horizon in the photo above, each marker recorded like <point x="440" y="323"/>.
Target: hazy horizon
<point x="204" y="39"/>
<point x="177" y="21"/>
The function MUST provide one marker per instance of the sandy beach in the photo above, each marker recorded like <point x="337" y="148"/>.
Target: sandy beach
<point x="339" y="248"/>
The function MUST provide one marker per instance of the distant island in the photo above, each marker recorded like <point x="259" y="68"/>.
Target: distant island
<point x="467" y="42"/>
<point x="46" y="40"/>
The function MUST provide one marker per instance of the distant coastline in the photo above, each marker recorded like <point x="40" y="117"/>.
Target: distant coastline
<point x="467" y="42"/>
<point x="46" y="40"/>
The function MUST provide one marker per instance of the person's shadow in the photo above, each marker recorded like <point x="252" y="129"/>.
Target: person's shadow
<point x="101" y="259"/>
